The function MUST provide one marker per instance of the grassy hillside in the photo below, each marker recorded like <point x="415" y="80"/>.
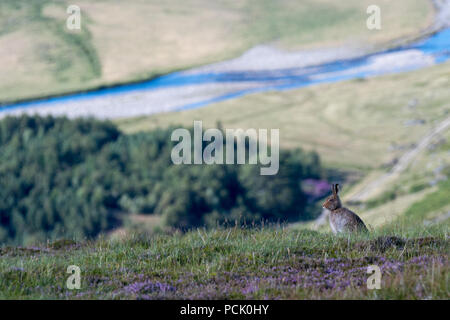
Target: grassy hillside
<point x="269" y="263"/>
<point x="121" y="42"/>
<point x="351" y="124"/>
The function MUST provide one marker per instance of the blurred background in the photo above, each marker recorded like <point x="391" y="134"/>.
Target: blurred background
<point x="86" y="114"/>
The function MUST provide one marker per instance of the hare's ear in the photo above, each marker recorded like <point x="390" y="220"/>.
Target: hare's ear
<point x="336" y="187"/>
<point x="332" y="188"/>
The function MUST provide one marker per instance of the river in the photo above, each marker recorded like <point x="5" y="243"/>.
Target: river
<point x="260" y="69"/>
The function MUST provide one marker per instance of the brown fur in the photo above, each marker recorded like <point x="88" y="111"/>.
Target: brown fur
<point x="341" y="218"/>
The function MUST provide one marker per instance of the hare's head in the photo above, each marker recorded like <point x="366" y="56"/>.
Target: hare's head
<point x="333" y="202"/>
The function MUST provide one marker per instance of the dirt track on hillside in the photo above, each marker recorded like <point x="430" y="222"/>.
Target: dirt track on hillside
<point x="403" y="162"/>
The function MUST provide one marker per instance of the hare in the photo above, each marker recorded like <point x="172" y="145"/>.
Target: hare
<point x="341" y="218"/>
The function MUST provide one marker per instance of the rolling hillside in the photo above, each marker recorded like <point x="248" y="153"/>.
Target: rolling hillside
<point x="39" y="56"/>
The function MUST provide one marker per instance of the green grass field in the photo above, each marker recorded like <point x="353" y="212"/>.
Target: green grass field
<point x="233" y="263"/>
<point x="39" y="56"/>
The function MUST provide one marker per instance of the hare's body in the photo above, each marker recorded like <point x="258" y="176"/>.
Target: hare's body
<point x="342" y="219"/>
